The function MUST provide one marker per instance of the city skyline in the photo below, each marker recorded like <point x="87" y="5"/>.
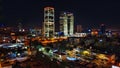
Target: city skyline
<point x="59" y="34"/>
<point x="87" y="13"/>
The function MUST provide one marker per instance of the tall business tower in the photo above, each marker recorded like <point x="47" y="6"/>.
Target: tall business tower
<point x="49" y="25"/>
<point x="67" y="23"/>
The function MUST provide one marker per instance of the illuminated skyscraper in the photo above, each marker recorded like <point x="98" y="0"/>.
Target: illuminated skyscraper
<point x="67" y="23"/>
<point x="49" y="25"/>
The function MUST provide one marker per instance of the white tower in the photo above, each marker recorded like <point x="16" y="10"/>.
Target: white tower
<point x="49" y="26"/>
<point x="67" y="23"/>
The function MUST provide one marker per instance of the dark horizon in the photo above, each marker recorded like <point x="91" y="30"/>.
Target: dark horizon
<point x="87" y="13"/>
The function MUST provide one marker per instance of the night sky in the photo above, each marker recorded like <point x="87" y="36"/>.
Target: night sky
<point x="88" y="13"/>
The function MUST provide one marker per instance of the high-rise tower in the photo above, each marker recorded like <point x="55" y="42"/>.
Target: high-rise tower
<point x="67" y="23"/>
<point x="49" y="26"/>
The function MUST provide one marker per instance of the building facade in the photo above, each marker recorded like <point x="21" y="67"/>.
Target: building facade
<point x="49" y="22"/>
<point x="79" y="28"/>
<point x="67" y="23"/>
